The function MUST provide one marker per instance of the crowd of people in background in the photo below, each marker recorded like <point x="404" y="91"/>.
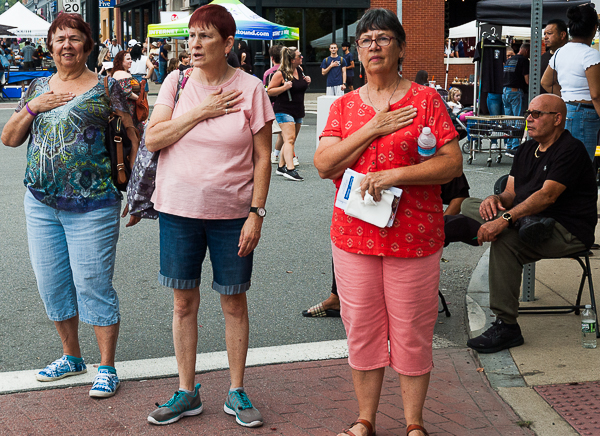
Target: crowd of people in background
<point x="23" y="54"/>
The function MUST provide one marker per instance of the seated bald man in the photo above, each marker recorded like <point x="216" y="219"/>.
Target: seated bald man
<point x="548" y="209"/>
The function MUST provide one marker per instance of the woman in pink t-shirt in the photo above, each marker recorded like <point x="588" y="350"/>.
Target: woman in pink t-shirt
<point x="211" y="188"/>
<point x="388" y="277"/>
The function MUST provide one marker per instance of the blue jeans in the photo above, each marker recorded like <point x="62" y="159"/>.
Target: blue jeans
<point x="162" y="71"/>
<point x="583" y="123"/>
<point x="139" y="78"/>
<point x="494" y="103"/>
<point x="183" y="245"/>
<point x="73" y="258"/>
<point x="514" y="105"/>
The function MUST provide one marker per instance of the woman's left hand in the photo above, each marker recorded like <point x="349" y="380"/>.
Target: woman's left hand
<point x="375" y="182"/>
<point x="307" y="78"/>
<point x="250" y="235"/>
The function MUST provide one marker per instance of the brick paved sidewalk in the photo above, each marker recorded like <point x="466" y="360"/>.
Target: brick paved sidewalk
<point x="308" y="398"/>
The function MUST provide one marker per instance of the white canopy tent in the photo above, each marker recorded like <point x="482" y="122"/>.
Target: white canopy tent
<point x="26" y="24"/>
<point x="469" y="30"/>
<point x="325" y="41"/>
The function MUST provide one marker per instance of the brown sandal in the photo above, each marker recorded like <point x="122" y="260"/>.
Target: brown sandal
<point x="414" y="427"/>
<point x="365" y="423"/>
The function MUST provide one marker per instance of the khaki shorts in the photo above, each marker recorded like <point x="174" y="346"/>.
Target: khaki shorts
<point x="276" y="128"/>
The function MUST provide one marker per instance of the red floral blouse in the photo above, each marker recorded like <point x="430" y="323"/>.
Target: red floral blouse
<point x="418" y="229"/>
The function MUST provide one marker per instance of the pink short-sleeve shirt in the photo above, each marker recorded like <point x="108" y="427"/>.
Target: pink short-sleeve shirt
<point x="418" y="229"/>
<point x="209" y="172"/>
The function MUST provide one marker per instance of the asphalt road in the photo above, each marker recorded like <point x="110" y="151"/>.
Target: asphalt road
<point x="292" y="271"/>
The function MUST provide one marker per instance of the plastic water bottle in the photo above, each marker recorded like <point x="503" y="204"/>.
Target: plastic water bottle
<point x="427" y="144"/>
<point x="588" y="327"/>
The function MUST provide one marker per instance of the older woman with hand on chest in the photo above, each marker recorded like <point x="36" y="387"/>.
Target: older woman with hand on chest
<point x="71" y="204"/>
<point x="211" y="188"/>
<point x="388" y="277"/>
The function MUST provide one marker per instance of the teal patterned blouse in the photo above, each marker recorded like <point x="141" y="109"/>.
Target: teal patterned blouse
<point x="68" y="167"/>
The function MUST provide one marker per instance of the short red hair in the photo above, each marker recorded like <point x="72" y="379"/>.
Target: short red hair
<point x="216" y="16"/>
<point x="71" y="21"/>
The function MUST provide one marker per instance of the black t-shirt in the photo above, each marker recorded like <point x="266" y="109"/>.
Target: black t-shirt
<point x="515" y="70"/>
<point x="232" y="60"/>
<point x="568" y="163"/>
<point x="295" y="105"/>
<point x="544" y="61"/>
<point x="455" y="188"/>
<point x="492" y="66"/>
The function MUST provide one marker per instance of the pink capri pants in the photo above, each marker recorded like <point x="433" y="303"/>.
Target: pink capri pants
<point x="388" y="298"/>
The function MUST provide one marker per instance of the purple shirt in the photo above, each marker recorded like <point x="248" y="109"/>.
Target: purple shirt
<point x="268" y="73"/>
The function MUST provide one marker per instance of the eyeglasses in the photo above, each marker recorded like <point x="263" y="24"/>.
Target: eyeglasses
<point x="382" y="41"/>
<point x="536" y="114"/>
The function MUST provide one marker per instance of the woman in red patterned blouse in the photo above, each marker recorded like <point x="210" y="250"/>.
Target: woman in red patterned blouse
<point x="388" y="277"/>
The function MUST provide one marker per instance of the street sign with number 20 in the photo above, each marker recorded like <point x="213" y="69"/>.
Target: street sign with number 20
<point x="72" y="6"/>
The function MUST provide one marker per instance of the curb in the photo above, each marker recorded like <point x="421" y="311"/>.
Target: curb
<point x="500" y="368"/>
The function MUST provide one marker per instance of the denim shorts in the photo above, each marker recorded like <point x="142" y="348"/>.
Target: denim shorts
<point x="73" y="258"/>
<point x="285" y="118"/>
<point x="183" y="244"/>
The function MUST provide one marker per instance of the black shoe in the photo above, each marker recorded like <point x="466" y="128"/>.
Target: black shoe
<point x="509" y="154"/>
<point x="293" y="175"/>
<point x="498" y="337"/>
<point x="533" y="230"/>
<point x="280" y="171"/>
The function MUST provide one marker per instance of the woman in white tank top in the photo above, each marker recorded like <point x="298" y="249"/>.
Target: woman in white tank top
<point x="574" y="74"/>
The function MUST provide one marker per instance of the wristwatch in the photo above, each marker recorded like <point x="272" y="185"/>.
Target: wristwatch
<point x="260" y="211"/>
<point x="508" y="217"/>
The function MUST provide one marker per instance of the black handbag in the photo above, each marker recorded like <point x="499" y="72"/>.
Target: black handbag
<point x="118" y="146"/>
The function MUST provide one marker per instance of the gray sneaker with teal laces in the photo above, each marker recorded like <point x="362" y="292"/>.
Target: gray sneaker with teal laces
<point x="237" y="403"/>
<point x="61" y="368"/>
<point x="181" y="404"/>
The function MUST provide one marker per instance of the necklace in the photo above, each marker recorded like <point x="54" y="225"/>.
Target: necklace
<point x="389" y="99"/>
<point x="536" y="151"/>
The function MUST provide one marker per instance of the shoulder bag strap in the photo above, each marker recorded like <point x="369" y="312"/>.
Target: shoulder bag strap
<point x="106" y="87"/>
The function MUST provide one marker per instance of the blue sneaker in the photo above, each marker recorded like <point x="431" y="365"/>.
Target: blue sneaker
<point x="105" y="384"/>
<point x="181" y="404"/>
<point x="237" y="403"/>
<point x="61" y="368"/>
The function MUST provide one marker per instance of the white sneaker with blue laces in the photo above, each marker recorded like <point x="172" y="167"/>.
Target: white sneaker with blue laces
<point x="105" y="384"/>
<point x="61" y="368"/>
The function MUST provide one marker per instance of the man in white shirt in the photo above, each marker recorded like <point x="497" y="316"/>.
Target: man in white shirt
<point x="114" y="48"/>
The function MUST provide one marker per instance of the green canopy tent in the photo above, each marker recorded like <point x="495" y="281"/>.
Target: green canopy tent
<point x="248" y="25"/>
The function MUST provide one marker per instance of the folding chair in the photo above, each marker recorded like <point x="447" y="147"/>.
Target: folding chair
<point x="586" y="275"/>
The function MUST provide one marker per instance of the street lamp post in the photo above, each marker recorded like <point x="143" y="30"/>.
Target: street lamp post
<point x="6" y="6"/>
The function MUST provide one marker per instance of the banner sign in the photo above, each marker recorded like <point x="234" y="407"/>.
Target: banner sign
<point x="167" y="17"/>
<point x="107" y="3"/>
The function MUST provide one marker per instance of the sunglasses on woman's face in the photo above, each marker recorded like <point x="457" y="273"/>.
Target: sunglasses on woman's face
<point x="536" y="114"/>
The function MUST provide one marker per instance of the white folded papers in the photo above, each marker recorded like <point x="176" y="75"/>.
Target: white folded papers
<point x="380" y="213"/>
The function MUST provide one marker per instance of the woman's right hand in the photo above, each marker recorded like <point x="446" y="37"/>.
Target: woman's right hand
<point x="50" y="100"/>
<point x="287" y="85"/>
<point x="219" y="103"/>
<point x="386" y="122"/>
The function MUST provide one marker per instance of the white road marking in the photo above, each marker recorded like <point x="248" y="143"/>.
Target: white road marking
<point x="23" y="381"/>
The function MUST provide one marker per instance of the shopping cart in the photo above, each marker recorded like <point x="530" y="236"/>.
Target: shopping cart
<point x="497" y="128"/>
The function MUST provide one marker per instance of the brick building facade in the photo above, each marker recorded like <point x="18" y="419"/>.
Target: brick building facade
<point x="423" y="22"/>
